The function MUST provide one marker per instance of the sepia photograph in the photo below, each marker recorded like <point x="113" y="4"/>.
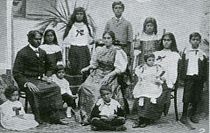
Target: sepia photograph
<point x="135" y="66"/>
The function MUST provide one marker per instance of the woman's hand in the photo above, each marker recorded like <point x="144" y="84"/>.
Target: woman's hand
<point x="106" y="80"/>
<point x="85" y="70"/>
<point x="68" y="64"/>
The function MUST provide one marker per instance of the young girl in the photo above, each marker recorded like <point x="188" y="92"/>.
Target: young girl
<point x="149" y="40"/>
<point x="66" y="93"/>
<point x="53" y="50"/>
<point x="78" y="37"/>
<point x="12" y="114"/>
<point x="168" y="58"/>
<point x="148" y="91"/>
<point x="107" y="113"/>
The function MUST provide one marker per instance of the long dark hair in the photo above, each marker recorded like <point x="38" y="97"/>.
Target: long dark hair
<point x="150" y="20"/>
<point x="73" y="20"/>
<point x="55" y="41"/>
<point x="173" y="45"/>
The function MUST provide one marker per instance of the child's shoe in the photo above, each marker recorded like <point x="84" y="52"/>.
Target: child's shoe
<point x="194" y="119"/>
<point x="68" y="112"/>
<point x="136" y="124"/>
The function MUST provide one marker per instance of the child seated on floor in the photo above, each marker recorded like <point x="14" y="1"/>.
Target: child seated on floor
<point x="12" y="114"/>
<point x="107" y="113"/>
<point x="66" y="93"/>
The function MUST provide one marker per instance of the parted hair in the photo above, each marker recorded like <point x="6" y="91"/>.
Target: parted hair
<point x="150" y="20"/>
<point x="73" y="20"/>
<point x="9" y="91"/>
<point x="118" y="3"/>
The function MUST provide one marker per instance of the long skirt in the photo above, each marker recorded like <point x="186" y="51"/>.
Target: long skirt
<point x="46" y="103"/>
<point x="155" y="111"/>
<point x="79" y="57"/>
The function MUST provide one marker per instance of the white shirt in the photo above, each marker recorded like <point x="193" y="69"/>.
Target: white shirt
<point x="78" y="35"/>
<point x="34" y="49"/>
<point x="193" y="55"/>
<point x="109" y="108"/>
<point x="63" y="84"/>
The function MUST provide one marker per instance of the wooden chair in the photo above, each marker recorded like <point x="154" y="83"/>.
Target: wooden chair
<point x="75" y="81"/>
<point x="174" y="97"/>
<point x="22" y="94"/>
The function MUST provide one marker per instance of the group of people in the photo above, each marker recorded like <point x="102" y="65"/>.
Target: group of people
<point x="39" y="71"/>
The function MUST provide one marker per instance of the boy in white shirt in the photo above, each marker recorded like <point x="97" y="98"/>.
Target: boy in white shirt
<point x="107" y="113"/>
<point x="66" y="93"/>
<point x="194" y="74"/>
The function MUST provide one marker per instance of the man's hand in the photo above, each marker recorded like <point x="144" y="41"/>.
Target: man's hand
<point x="32" y="87"/>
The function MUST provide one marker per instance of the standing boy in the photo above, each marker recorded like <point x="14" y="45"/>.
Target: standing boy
<point x="194" y="69"/>
<point x="124" y="37"/>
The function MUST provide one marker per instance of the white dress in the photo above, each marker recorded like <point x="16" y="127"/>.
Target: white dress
<point x="169" y="61"/>
<point x="147" y="83"/>
<point x="15" y="120"/>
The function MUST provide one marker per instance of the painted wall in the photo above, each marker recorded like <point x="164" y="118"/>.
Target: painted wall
<point x="5" y="35"/>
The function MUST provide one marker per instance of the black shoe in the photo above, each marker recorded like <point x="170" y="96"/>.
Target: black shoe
<point x="143" y="125"/>
<point x="135" y="125"/>
<point x="59" y="122"/>
<point x="94" y="128"/>
<point x="194" y="119"/>
<point x="183" y="120"/>
<point x="121" y="128"/>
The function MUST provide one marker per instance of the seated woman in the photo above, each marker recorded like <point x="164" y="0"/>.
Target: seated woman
<point x="106" y="63"/>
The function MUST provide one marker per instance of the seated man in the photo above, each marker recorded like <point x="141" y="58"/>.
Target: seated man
<point x="30" y="67"/>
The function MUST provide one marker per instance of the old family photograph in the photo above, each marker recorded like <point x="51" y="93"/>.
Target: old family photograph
<point x="104" y="66"/>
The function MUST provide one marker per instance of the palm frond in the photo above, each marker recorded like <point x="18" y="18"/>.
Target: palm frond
<point x="92" y="23"/>
<point x="67" y="7"/>
<point x="64" y="10"/>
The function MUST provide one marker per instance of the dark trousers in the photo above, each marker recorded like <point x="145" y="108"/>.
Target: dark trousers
<point x="122" y="82"/>
<point x="69" y="100"/>
<point x="47" y="103"/>
<point x="107" y="125"/>
<point x="192" y="93"/>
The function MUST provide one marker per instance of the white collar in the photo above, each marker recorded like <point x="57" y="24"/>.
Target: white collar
<point x="119" y="18"/>
<point x="33" y="48"/>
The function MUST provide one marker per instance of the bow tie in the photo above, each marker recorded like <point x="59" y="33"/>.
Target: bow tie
<point x="160" y="57"/>
<point x="36" y="51"/>
<point x="81" y="32"/>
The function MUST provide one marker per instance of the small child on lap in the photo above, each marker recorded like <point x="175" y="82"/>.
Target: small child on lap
<point x="66" y="93"/>
<point x="107" y="113"/>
